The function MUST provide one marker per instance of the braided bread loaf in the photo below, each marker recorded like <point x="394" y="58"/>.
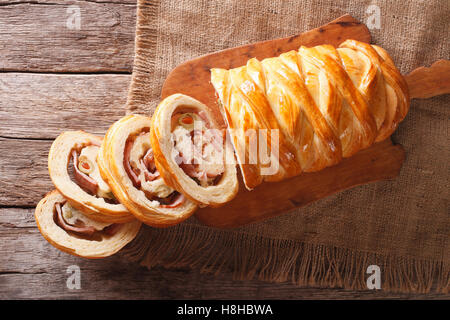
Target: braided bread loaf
<point x="323" y="103"/>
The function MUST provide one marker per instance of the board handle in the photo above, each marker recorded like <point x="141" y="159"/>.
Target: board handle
<point x="427" y="82"/>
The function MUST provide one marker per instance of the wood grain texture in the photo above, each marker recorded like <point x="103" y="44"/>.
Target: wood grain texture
<point x="23" y="171"/>
<point x="34" y="109"/>
<point x="193" y="77"/>
<point x="35" y="36"/>
<point x="30" y="268"/>
<point x="381" y="161"/>
<point x="40" y="106"/>
<point x="427" y="82"/>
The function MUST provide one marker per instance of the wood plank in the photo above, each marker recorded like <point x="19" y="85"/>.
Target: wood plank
<point x="23" y="171"/>
<point x="35" y="36"/>
<point x="30" y="268"/>
<point x="40" y="106"/>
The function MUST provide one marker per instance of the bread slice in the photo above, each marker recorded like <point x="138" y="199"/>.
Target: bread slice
<point x="100" y="244"/>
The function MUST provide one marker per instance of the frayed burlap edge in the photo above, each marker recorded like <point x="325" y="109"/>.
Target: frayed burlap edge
<point x="254" y="257"/>
<point x="278" y="260"/>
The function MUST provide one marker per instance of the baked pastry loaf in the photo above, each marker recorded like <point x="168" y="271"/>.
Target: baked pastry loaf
<point x="73" y="232"/>
<point x="126" y="162"/>
<point x="321" y="104"/>
<point x="74" y="171"/>
<point x="191" y="153"/>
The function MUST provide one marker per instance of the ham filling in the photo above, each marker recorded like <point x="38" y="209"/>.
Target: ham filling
<point x="148" y="162"/>
<point x="139" y="164"/>
<point x="174" y="200"/>
<point x="198" y="148"/>
<point x="87" y="175"/>
<point x="80" y="227"/>
<point x="82" y="179"/>
<point x="133" y="173"/>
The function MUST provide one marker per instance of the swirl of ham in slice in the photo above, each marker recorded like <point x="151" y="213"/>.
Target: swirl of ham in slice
<point x="82" y="179"/>
<point x="200" y="147"/>
<point x="148" y="162"/>
<point x="191" y="152"/>
<point x="86" y="230"/>
<point x="71" y="231"/>
<point x="80" y="224"/>
<point x="127" y="161"/>
<point x="147" y="166"/>
<point x="80" y="182"/>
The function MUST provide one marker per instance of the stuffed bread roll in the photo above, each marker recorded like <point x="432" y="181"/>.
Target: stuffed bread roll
<point x="325" y="103"/>
<point x="74" y="171"/>
<point x="191" y="153"/>
<point x="71" y="231"/>
<point x="126" y="161"/>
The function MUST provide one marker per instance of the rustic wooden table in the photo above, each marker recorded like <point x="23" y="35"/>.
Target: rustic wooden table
<point x="55" y="75"/>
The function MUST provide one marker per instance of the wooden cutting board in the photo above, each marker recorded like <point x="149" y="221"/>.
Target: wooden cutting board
<point x="381" y="161"/>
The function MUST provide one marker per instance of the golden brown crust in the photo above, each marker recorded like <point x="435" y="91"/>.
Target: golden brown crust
<point x="66" y="242"/>
<point x="111" y="163"/>
<point x="326" y="104"/>
<point x="58" y="160"/>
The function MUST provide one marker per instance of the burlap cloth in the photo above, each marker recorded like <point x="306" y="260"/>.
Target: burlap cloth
<point x="401" y="225"/>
